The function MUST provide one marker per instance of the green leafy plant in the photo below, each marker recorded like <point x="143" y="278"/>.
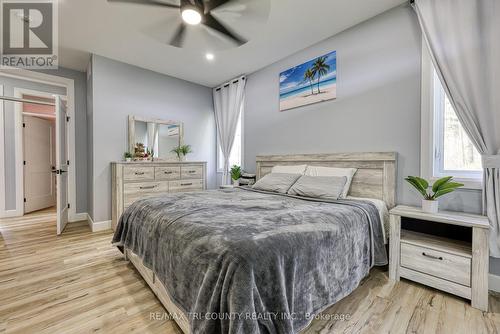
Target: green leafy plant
<point x="182" y="150"/>
<point x="235" y="172"/>
<point x="127" y="155"/>
<point x="441" y="187"/>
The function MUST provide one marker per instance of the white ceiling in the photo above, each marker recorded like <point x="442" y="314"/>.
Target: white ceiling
<point x="136" y="34"/>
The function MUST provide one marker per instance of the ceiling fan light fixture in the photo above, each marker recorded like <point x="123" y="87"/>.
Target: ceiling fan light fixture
<point x="191" y="16"/>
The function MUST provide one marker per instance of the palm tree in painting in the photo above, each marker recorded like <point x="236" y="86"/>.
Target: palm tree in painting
<point x="320" y="68"/>
<point x="309" y="76"/>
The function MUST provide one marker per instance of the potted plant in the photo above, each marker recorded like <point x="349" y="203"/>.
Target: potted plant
<point x="236" y="174"/>
<point x="127" y="156"/>
<point x="182" y="151"/>
<point x="441" y="187"/>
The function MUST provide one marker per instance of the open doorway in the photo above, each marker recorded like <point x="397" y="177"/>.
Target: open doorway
<point x="39" y="153"/>
<point x="42" y="144"/>
<point x="15" y="86"/>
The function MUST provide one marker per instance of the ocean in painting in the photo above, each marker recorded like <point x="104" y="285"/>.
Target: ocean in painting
<point x="299" y="84"/>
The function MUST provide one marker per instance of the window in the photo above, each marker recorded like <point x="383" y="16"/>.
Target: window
<point x="446" y="147"/>
<point x="235" y="158"/>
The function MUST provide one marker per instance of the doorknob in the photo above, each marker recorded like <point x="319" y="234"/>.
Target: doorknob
<point x="62" y="171"/>
<point x="59" y="171"/>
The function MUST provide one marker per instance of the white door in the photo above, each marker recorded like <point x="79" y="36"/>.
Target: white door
<point x="39" y="160"/>
<point x="61" y="165"/>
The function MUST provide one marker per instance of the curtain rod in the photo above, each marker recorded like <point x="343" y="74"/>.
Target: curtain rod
<point x="242" y="78"/>
<point x="16" y="99"/>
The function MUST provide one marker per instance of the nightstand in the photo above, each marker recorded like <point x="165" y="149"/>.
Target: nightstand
<point x="423" y="248"/>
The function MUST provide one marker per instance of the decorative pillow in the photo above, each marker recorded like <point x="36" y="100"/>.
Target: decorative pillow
<point x="333" y="171"/>
<point x="276" y="182"/>
<point x="297" y="169"/>
<point x="329" y="187"/>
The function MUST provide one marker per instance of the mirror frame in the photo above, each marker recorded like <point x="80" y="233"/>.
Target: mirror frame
<point x="131" y="128"/>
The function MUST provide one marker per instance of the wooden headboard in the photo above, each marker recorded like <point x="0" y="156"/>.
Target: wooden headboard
<point x="375" y="178"/>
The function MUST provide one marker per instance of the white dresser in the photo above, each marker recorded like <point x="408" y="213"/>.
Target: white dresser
<point x="132" y="181"/>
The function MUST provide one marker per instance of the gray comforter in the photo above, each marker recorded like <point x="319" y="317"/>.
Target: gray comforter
<point x="242" y="261"/>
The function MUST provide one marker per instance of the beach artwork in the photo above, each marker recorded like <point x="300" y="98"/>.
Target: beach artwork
<point x="311" y="82"/>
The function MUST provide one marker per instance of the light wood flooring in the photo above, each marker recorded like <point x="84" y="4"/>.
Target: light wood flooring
<point x="79" y="283"/>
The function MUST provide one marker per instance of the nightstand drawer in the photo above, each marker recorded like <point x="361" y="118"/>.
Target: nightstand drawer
<point x="433" y="262"/>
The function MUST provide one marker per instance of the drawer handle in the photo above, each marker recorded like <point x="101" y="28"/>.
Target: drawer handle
<point x="191" y="171"/>
<point x="139" y="173"/>
<point x="168" y="172"/>
<point x="149" y="187"/>
<point x="432" y="256"/>
<point x="186" y="184"/>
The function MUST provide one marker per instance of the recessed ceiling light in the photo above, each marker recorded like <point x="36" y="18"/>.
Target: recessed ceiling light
<point x="191" y="16"/>
<point x="209" y="56"/>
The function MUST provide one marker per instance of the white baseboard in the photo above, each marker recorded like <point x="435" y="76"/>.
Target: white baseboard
<point x="77" y="217"/>
<point x="98" y="226"/>
<point x="494" y="282"/>
<point x="10" y="214"/>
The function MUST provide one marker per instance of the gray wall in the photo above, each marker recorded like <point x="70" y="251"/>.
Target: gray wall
<point x="80" y="128"/>
<point x="90" y="140"/>
<point x="120" y="90"/>
<point x="377" y="106"/>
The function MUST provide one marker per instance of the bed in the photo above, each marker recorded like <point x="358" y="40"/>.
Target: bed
<point x="245" y="261"/>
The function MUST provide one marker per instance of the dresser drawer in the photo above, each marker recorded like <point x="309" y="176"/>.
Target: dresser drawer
<point x="185" y="185"/>
<point x="132" y="173"/>
<point x="191" y="172"/>
<point x="136" y="191"/>
<point x="433" y="262"/>
<point x="168" y="173"/>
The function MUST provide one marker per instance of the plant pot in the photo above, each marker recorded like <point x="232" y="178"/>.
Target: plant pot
<point x="182" y="158"/>
<point x="236" y="183"/>
<point x="128" y="159"/>
<point x="430" y="206"/>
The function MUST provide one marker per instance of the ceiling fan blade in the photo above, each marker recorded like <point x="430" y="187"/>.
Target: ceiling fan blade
<point x="179" y="35"/>
<point x="209" y="5"/>
<point x="148" y="3"/>
<point x="212" y="22"/>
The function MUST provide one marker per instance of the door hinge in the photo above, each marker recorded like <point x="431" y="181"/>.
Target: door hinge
<point x="67" y="162"/>
<point x="25" y="200"/>
<point x="68" y="205"/>
<point x="24" y="162"/>
<point x="67" y="118"/>
<point x="24" y="125"/>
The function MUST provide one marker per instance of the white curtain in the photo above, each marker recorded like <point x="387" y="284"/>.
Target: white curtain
<point x="228" y="100"/>
<point x="463" y="37"/>
<point x="152" y="130"/>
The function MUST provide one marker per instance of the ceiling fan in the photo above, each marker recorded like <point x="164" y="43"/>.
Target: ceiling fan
<point x="193" y="12"/>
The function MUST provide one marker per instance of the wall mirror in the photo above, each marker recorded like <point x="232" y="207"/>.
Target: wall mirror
<point x="154" y="138"/>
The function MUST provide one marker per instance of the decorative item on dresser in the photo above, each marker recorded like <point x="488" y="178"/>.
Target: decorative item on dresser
<point x="132" y="181"/>
<point x="458" y="266"/>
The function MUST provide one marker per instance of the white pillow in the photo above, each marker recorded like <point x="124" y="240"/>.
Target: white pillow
<point x="333" y="171"/>
<point x="297" y="169"/>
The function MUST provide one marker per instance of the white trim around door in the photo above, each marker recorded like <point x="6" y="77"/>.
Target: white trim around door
<point x="52" y="80"/>
<point x="2" y="163"/>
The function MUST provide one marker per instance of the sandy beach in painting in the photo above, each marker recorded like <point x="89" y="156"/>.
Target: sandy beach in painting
<point x="328" y="92"/>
